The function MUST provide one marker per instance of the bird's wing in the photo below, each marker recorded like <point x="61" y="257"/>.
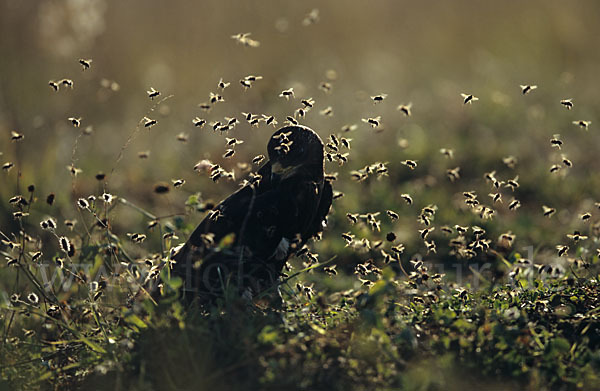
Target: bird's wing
<point x="232" y="210"/>
<point x="322" y="209"/>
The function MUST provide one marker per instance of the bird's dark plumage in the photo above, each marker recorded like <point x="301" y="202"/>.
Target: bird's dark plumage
<point x="257" y="228"/>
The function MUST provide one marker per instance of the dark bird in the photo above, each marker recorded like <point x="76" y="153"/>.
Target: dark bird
<point x="262" y="224"/>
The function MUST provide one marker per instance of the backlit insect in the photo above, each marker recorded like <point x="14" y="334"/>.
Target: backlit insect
<point x="453" y="174"/>
<point x="349" y="128"/>
<point x="214" y="214"/>
<point x="334" y="139"/>
<point x="70" y="224"/>
<point x="514" y="204"/>
<point x="567" y="103"/>
<point x="244" y="39"/>
<point x="287" y="94"/>
<point x="508" y="238"/>
<point x="447" y="230"/>
<point x="460" y="229"/>
<point x="308" y="103"/>
<point x="269" y="120"/>
<point x="429" y="210"/>
<point x="555" y="168"/>
<point x="424" y="219"/>
<point x="54" y="85"/>
<point x="512" y="183"/>
<point x="576" y="236"/>
<point x="496" y="197"/>
<point x="407" y="198"/>
<point x="199" y="122"/>
<point x="152" y="93"/>
<point x="398" y="249"/>
<point x="478" y="231"/>
<point x="86" y="64"/>
<point x="556" y="142"/>
<point x="562" y="250"/>
<point x="249" y="116"/>
<point x="325" y="87"/>
<point x="222" y="85"/>
<point x="431" y="247"/>
<point x="183" y="137"/>
<point x="468" y="98"/>
<point x="470" y="195"/>
<point x="248" y="80"/>
<point x="417" y="264"/>
<point x="204" y="106"/>
<point x="342" y="158"/>
<point x="178" y="182"/>
<point x="378" y="98"/>
<point x="148" y="123"/>
<point x="67" y="83"/>
<point x="229" y="153"/>
<point x="348" y="237"/>
<point x="510" y="161"/>
<point x="331" y="176"/>
<point x="332" y="147"/>
<point x="583" y="124"/>
<point x="374" y="122"/>
<point x="353" y="217"/>
<point x="412" y="164"/>
<point x="405" y="109"/>
<point x="232" y="121"/>
<point x="449" y="153"/>
<point x="585" y="216"/>
<point x="425" y="232"/>
<point x="327" y="111"/>
<point x="526" y="89"/>
<point x="566" y="161"/>
<point x="330" y="270"/>
<point x="215" y="98"/>
<point x="291" y="120"/>
<point x="311" y="18"/>
<point x="392" y="215"/>
<point x="233" y="141"/>
<point x="76" y="122"/>
<point x="144" y="154"/>
<point x="14" y="136"/>
<point x="548" y="211"/>
<point x="258" y="159"/>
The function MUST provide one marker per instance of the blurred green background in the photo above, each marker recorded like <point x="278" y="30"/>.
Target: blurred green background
<point x="426" y="53"/>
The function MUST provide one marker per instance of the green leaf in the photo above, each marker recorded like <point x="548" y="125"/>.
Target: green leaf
<point x="135" y="320"/>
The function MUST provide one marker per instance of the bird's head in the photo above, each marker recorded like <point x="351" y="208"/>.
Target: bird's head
<point x="296" y="150"/>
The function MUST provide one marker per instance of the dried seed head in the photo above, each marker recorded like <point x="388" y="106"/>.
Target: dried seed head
<point x="65" y="244"/>
<point x="33" y="298"/>
<point x="83" y="203"/>
<point x="107" y="198"/>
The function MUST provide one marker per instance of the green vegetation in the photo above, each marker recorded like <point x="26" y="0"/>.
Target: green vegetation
<point x="462" y="249"/>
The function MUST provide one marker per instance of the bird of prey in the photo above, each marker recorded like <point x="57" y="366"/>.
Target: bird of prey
<point x="248" y="237"/>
